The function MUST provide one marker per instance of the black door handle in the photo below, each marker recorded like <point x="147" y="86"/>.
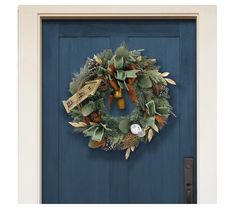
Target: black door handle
<point x="188" y="196"/>
<point x="188" y="180"/>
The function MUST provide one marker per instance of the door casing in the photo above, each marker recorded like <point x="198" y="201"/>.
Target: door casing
<point x="29" y="103"/>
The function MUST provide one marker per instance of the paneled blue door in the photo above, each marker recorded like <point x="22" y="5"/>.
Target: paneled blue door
<point x="73" y="173"/>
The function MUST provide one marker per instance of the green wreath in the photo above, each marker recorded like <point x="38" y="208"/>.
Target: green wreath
<point x="108" y="75"/>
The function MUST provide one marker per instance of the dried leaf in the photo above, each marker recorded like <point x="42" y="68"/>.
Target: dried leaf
<point x="150" y="134"/>
<point x="111" y="70"/>
<point x="160" y="119"/>
<point x="110" y="101"/>
<point x="165" y="74"/>
<point x="78" y="124"/>
<point x="132" y="93"/>
<point x="95" y="144"/>
<point x="98" y="59"/>
<point x="131" y="66"/>
<point x="132" y="148"/>
<point x="155" y="128"/>
<point x="114" y="84"/>
<point x="139" y="58"/>
<point x="128" y="151"/>
<point x="92" y="123"/>
<point x="170" y="81"/>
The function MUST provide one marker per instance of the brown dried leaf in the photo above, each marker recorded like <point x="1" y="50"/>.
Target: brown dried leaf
<point x="160" y="119"/>
<point x="132" y="93"/>
<point x="95" y="144"/>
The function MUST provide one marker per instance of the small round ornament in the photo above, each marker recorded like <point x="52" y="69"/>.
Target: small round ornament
<point x="142" y="133"/>
<point x="135" y="129"/>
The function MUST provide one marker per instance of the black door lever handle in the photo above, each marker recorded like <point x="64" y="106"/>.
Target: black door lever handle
<point x="188" y="196"/>
<point x="188" y="180"/>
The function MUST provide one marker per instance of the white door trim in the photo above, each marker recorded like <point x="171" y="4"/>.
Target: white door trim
<point x="29" y="40"/>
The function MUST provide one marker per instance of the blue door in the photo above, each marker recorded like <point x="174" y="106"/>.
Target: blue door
<point x="155" y="173"/>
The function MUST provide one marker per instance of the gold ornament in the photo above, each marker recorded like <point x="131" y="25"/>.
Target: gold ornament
<point x="121" y="103"/>
<point x="118" y="94"/>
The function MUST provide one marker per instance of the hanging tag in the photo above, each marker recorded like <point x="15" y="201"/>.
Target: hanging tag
<point x="89" y="89"/>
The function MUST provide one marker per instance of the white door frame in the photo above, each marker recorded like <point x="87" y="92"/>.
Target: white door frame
<point x="30" y="87"/>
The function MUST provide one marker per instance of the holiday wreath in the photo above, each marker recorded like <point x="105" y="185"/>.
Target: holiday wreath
<point x="108" y="75"/>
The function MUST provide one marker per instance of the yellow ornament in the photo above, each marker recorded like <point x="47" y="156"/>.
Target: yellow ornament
<point x="121" y="103"/>
<point x="118" y="94"/>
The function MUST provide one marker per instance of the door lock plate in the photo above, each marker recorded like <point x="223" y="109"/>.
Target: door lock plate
<point x="188" y="180"/>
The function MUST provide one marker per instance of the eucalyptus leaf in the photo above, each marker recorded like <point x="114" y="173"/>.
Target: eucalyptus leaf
<point x="88" y="108"/>
<point x="101" y="70"/>
<point x="131" y="73"/>
<point x="121" y="75"/>
<point x="124" y="126"/>
<point x="150" y="122"/>
<point x="122" y="84"/>
<point x="98" y="134"/>
<point x="118" y="62"/>
<point x="151" y="108"/>
<point x="105" y="127"/>
<point x="91" y="130"/>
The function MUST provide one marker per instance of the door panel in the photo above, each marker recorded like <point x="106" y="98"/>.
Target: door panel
<point x="73" y="173"/>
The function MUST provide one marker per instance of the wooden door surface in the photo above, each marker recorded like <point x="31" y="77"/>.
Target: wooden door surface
<point x="74" y="173"/>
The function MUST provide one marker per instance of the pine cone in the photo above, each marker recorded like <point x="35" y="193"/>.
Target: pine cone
<point x="86" y="120"/>
<point x="92" y="64"/>
<point x="95" y="117"/>
<point x="107" y="146"/>
<point x="130" y="140"/>
<point x="104" y="84"/>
